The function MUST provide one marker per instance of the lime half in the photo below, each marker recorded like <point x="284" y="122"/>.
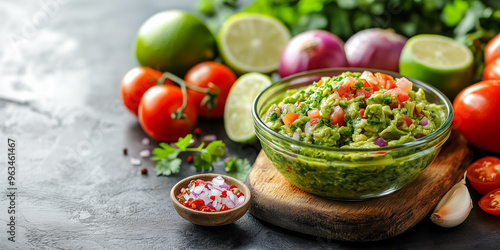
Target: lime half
<point x="252" y="42"/>
<point x="437" y="60"/>
<point x="238" y="120"/>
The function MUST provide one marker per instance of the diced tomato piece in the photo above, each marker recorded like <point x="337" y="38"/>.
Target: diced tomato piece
<point x="224" y="208"/>
<point x="364" y="92"/>
<point x="289" y="118"/>
<point x="407" y="120"/>
<point x="374" y="82"/>
<point x="398" y="93"/>
<point x="405" y="85"/>
<point x="319" y="82"/>
<point x="297" y="103"/>
<point x="335" y="95"/>
<point x="362" y="114"/>
<point x="314" y="116"/>
<point x="385" y="80"/>
<point x="337" y="116"/>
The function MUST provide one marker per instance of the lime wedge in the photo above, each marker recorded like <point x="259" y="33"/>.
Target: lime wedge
<point x="252" y="42"/>
<point x="437" y="60"/>
<point x="238" y="120"/>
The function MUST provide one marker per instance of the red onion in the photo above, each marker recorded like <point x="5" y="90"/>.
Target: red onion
<point x="314" y="49"/>
<point x="375" y="48"/>
<point x="380" y="142"/>
<point x="424" y="122"/>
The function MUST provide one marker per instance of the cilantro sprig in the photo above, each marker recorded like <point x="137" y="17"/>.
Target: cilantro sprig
<point x="167" y="161"/>
<point x="238" y="168"/>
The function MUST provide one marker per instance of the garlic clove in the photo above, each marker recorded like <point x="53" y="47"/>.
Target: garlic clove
<point x="454" y="207"/>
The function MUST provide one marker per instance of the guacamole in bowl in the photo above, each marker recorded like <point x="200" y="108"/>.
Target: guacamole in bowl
<point x="350" y="133"/>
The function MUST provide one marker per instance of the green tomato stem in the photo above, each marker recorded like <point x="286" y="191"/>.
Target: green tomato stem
<point x="179" y="114"/>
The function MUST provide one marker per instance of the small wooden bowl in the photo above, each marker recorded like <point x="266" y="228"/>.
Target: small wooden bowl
<point x="210" y="218"/>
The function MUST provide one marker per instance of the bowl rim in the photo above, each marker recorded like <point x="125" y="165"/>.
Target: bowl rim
<point x="248" y="193"/>
<point x="336" y="71"/>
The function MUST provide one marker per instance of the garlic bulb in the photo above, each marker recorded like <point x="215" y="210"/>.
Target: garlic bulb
<point x="454" y="207"/>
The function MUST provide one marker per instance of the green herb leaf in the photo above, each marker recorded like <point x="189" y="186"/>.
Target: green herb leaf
<point x="167" y="163"/>
<point x="359" y="84"/>
<point x="167" y="167"/>
<point x="238" y="168"/>
<point x="183" y="143"/>
<point x="202" y="164"/>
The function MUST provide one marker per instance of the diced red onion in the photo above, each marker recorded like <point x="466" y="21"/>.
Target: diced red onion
<point x="424" y="122"/>
<point x="214" y="189"/>
<point x="379" y="141"/>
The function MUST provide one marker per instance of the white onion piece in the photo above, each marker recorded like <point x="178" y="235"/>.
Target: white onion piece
<point x="214" y="189"/>
<point x="308" y="128"/>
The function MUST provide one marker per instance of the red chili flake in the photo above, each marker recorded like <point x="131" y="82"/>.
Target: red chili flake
<point x="205" y="209"/>
<point x="239" y="194"/>
<point x="190" y="159"/>
<point x="224" y="194"/>
<point x="206" y="186"/>
<point x="197" y="132"/>
<point x="224" y="208"/>
<point x="198" y="182"/>
<point x="212" y="197"/>
<point x="144" y="171"/>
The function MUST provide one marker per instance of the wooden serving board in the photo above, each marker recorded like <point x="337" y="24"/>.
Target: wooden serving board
<point x="278" y="202"/>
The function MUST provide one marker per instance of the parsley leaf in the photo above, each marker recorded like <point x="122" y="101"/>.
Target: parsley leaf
<point x="167" y="167"/>
<point x="238" y="168"/>
<point x="167" y="163"/>
<point x="359" y="84"/>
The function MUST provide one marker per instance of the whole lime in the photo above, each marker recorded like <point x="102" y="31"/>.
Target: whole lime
<point x="174" y="41"/>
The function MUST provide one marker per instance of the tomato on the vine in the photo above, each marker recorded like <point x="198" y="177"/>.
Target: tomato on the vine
<point x="490" y="202"/>
<point x="492" y="49"/>
<point x="216" y="78"/>
<point x="492" y="70"/>
<point x="157" y="111"/>
<point x="135" y="83"/>
<point x="484" y="174"/>
<point x="476" y="114"/>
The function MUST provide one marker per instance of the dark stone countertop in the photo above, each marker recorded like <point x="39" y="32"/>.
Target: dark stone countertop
<point x="61" y="63"/>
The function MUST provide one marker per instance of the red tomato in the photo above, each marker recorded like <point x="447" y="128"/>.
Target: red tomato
<point x="200" y="76"/>
<point x="404" y="85"/>
<point x="492" y="70"/>
<point x="156" y="109"/>
<point x="135" y="83"/>
<point x="476" y="114"/>
<point x="407" y="120"/>
<point x="289" y="118"/>
<point x="490" y="203"/>
<point x="314" y="116"/>
<point x="362" y="114"/>
<point x="337" y="116"/>
<point x="484" y="174"/>
<point x="400" y="94"/>
<point x="492" y="49"/>
<point x="386" y="81"/>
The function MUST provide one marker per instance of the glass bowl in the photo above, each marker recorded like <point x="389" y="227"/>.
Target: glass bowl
<point x="346" y="173"/>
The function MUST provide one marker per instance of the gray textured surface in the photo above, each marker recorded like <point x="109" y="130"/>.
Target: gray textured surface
<point x="60" y="68"/>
